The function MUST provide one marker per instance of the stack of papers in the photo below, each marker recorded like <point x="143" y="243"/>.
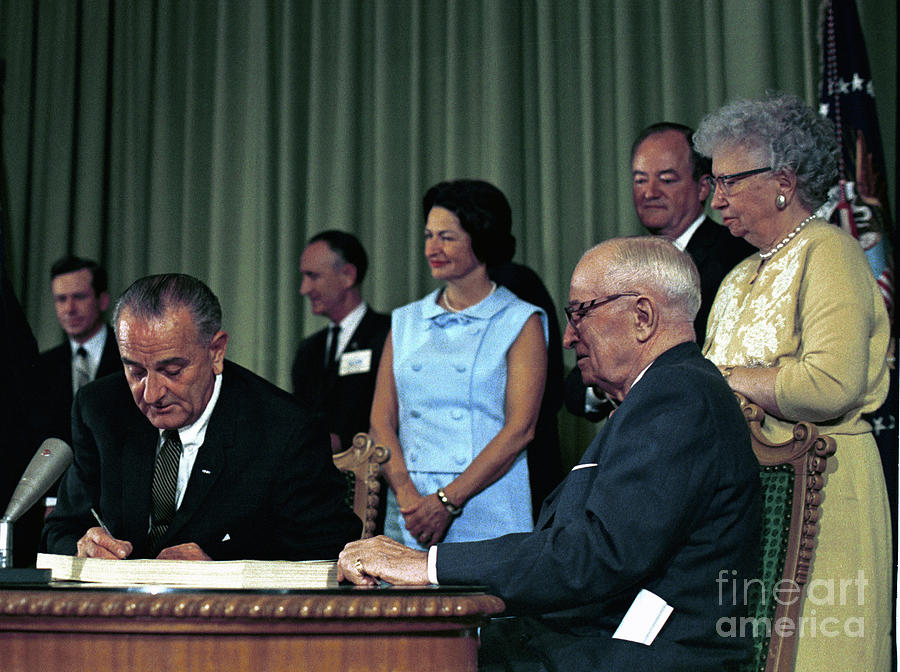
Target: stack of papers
<point x="254" y="574"/>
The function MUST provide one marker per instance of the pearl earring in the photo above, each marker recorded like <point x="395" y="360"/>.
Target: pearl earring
<point x="780" y="202"/>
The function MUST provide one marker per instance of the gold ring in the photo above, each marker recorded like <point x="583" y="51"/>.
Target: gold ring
<point x="358" y="565"/>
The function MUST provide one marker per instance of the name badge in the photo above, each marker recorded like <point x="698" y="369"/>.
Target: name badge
<point x="358" y="361"/>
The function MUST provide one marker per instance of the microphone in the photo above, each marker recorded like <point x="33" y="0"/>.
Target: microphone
<point x="52" y="458"/>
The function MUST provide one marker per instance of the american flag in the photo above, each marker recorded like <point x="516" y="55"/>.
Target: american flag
<point x="859" y="203"/>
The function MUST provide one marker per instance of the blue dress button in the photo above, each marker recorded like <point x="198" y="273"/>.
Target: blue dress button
<point x="415" y="414"/>
<point x="461" y="460"/>
<point x="456" y="414"/>
<point x="460" y="367"/>
<point x="416" y="366"/>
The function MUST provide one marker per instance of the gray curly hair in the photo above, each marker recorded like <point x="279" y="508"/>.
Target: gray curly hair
<point x="784" y="132"/>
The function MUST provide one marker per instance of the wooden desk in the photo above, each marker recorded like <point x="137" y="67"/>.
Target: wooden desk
<point x="79" y="629"/>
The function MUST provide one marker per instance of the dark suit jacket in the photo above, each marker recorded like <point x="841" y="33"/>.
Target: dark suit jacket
<point x="263" y="485"/>
<point x="715" y="252"/>
<point x="345" y="402"/>
<point x="667" y="499"/>
<point x="56" y="373"/>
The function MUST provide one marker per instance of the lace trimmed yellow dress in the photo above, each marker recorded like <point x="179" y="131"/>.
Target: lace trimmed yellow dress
<point x="814" y="310"/>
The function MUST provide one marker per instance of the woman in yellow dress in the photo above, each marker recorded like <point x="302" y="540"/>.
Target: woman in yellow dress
<point x="801" y="330"/>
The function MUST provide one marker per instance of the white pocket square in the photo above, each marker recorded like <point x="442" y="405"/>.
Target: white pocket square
<point x="227" y="537"/>
<point x="644" y="619"/>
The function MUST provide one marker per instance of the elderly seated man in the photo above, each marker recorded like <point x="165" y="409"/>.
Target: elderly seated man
<point x="664" y="503"/>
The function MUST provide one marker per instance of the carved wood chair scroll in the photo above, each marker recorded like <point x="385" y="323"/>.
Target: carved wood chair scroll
<point x="362" y="463"/>
<point x="792" y="479"/>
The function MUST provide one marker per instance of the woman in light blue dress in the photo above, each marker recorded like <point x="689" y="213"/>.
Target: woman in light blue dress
<point x="460" y="382"/>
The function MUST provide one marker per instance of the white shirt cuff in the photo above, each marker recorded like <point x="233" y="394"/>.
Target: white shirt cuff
<point x="432" y="565"/>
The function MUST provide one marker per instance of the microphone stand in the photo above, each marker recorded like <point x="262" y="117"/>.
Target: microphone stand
<point x="6" y="543"/>
<point x="18" y="576"/>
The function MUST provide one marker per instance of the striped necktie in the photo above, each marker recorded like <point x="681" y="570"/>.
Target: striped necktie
<point x="82" y="369"/>
<point x="165" y="477"/>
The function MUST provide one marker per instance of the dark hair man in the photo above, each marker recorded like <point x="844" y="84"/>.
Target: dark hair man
<point x="188" y="456"/>
<point x="89" y="351"/>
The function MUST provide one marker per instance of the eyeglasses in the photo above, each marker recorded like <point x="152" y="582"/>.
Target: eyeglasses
<point x="726" y="182"/>
<point x="574" y="314"/>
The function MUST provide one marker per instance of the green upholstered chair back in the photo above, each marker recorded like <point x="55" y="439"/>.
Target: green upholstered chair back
<point x="792" y="479"/>
<point x="777" y="484"/>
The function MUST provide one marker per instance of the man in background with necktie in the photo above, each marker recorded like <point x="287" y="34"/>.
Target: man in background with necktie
<point x="188" y="456"/>
<point x="80" y="296"/>
<point x="334" y="369"/>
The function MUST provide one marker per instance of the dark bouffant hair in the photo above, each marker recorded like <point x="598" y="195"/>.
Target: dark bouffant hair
<point x="483" y="213"/>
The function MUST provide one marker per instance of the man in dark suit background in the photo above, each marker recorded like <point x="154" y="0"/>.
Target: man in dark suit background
<point x="334" y="369"/>
<point x="663" y="508"/>
<point x="80" y="297"/>
<point x="669" y="198"/>
<point x="202" y="459"/>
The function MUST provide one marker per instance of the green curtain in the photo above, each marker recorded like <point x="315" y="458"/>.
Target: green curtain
<point x="214" y="138"/>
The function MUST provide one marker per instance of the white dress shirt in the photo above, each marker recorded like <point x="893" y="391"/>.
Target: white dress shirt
<point x="348" y="326"/>
<point x="94" y="348"/>
<point x="191" y="439"/>
<point x="681" y="242"/>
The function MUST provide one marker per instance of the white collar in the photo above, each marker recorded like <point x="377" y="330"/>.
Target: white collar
<point x="353" y="318"/>
<point x="193" y="434"/>
<point x="348" y="326"/>
<point x="639" y="376"/>
<point x="681" y="242"/>
<point x="94" y="345"/>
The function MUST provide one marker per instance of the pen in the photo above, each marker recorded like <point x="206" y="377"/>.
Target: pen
<point x="100" y="522"/>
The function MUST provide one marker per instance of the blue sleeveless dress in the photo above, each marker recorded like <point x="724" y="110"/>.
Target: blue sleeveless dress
<point x="450" y="372"/>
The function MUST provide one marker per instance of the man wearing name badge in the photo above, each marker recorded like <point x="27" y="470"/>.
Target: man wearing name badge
<point x="80" y="296"/>
<point x="334" y="369"/>
<point x="623" y="569"/>
<point x="669" y="198"/>
<point x="188" y="456"/>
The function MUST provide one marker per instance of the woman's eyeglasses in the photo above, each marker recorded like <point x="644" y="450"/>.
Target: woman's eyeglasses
<point x="726" y="182"/>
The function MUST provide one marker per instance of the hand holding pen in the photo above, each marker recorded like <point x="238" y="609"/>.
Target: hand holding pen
<point x="98" y="542"/>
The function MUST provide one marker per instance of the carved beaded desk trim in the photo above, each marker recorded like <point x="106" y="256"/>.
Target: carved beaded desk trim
<point x="343" y="629"/>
